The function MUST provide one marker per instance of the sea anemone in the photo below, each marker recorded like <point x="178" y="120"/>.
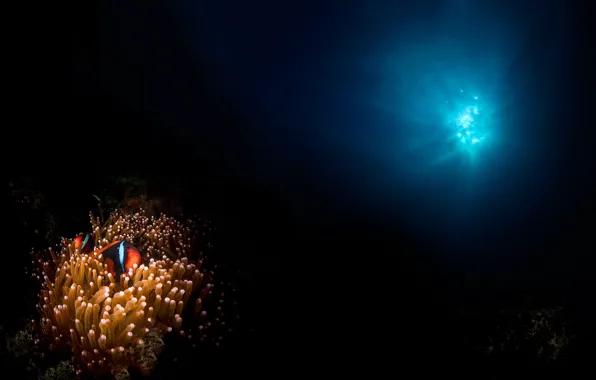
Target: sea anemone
<point x="113" y="324"/>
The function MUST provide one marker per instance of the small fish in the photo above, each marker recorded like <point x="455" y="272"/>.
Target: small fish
<point x="84" y="242"/>
<point x="120" y="256"/>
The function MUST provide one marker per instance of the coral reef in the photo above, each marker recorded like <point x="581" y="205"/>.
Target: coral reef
<point x="31" y="205"/>
<point x="21" y="344"/>
<point x="539" y="338"/>
<point x="543" y="333"/>
<point x="26" y="192"/>
<point x="113" y="324"/>
<point x="130" y="195"/>
<point x="63" y="371"/>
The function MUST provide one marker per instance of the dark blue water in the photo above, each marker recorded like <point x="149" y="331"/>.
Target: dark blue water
<point x="362" y="103"/>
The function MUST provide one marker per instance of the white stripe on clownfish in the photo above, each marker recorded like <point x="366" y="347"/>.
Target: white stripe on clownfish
<point x="121" y="254"/>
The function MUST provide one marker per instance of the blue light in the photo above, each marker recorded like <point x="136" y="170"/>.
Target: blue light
<point x="465" y="121"/>
<point x="470" y="123"/>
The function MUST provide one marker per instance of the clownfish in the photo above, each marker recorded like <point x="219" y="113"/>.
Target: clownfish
<point x="120" y="255"/>
<point x="84" y="242"/>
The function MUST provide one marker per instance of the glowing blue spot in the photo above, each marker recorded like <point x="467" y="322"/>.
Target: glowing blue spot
<point x="465" y="121"/>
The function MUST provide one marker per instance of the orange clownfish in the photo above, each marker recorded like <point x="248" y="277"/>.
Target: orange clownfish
<point x="120" y="255"/>
<point x="84" y="242"/>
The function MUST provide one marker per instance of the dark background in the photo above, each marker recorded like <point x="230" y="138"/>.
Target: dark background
<point x="210" y="97"/>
